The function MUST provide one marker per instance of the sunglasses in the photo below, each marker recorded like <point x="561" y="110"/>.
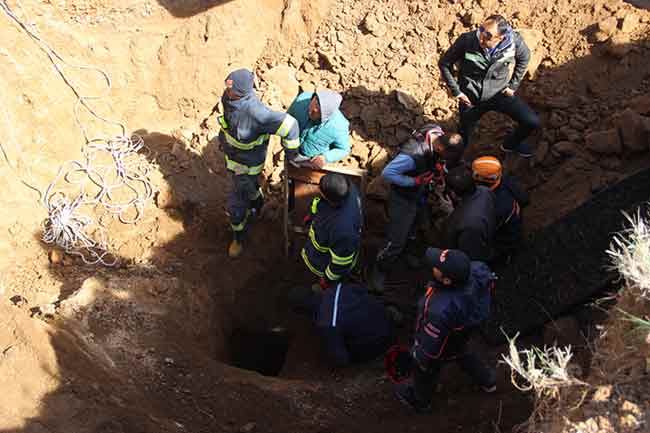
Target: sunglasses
<point x="488" y="35"/>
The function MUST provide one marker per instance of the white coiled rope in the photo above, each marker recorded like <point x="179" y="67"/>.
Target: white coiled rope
<point x="66" y="225"/>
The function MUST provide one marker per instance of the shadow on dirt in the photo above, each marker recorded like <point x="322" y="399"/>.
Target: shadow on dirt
<point x="139" y="354"/>
<point x="641" y="4"/>
<point x="188" y="8"/>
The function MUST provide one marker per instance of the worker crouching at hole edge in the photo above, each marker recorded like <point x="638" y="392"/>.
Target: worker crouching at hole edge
<point x="454" y="304"/>
<point x="245" y="129"/>
<point x="334" y="222"/>
<point x="354" y="326"/>
<point x="509" y="201"/>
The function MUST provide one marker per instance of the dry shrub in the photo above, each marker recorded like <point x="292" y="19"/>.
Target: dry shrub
<point x="621" y="354"/>
<point x="630" y="253"/>
<point x="545" y="372"/>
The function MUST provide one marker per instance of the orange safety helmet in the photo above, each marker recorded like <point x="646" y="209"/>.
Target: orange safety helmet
<point x="487" y="170"/>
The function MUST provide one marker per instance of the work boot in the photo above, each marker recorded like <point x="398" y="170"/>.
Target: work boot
<point x="405" y="393"/>
<point x="235" y="248"/>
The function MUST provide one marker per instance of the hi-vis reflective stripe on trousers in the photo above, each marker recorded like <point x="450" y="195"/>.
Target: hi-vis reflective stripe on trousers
<point x="242" y="225"/>
<point x="243" y="169"/>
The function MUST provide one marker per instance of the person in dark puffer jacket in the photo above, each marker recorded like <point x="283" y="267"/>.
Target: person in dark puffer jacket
<point x="423" y="159"/>
<point x="485" y="58"/>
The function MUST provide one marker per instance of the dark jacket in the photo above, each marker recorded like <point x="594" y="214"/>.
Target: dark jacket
<point x="446" y="316"/>
<point x="481" y="76"/>
<point x="332" y="249"/>
<point x="424" y="161"/>
<point x="471" y="226"/>
<point x="509" y="198"/>
<point x="353" y="324"/>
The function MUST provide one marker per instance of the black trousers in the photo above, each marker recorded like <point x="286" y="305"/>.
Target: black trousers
<point x="512" y="106"/>
<point x="455" y="351"/>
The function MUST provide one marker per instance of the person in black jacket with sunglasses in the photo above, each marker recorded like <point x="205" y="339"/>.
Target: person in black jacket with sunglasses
<point x="492" y="62"/>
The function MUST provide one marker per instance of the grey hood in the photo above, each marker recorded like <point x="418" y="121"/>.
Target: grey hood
<point x="329" y="102"/>
<point x="242" y="81"/>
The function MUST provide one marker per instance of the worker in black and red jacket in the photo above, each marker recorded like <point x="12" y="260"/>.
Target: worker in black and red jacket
<point x="454" y="304"/>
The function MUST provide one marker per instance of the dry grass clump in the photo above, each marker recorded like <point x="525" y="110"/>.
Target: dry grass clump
<point x="630" y="253"/>
<point x="620" y="358"/>
<point x="545" y="372"/>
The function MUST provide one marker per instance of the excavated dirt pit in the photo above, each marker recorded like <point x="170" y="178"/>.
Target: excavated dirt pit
<point x="149" y="345"/>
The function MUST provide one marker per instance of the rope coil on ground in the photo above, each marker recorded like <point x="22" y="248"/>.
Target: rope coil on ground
<point x="66" y="225"/>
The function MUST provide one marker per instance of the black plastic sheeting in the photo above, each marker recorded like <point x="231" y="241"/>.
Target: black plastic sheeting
<point x="564" y="264"/>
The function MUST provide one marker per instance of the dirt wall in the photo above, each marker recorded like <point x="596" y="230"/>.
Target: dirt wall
<point x="165" y="72"/>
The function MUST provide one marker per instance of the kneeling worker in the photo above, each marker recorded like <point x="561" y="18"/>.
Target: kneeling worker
<point x="454" y="304"/>
<point x="354" y="326"/>
<point x="334" y="220"/>
<point x="324" y="130"/>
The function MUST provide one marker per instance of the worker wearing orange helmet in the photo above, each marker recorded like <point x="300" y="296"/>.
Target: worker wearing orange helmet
<point x="509" y="197"/>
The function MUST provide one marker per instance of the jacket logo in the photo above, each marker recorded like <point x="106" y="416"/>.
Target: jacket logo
<point x="443" y="256"/>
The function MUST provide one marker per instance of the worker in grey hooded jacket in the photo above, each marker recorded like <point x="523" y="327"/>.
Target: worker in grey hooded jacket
<point x="324" y="130"/>
<point x="245" y="129"/>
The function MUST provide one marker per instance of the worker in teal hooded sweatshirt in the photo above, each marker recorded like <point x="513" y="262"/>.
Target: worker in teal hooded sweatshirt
<point x="324" y="130"/>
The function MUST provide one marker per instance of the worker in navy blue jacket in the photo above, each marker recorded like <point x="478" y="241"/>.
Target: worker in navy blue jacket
<point x="245" y="129"/>
<point x="509" y="200"/>
<point x="471" y="226"/>
<point x="454" y="304"/>
<point x="354" y="326"/>
<point x="422" y="160"/>
<point x="334" y="220"/>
